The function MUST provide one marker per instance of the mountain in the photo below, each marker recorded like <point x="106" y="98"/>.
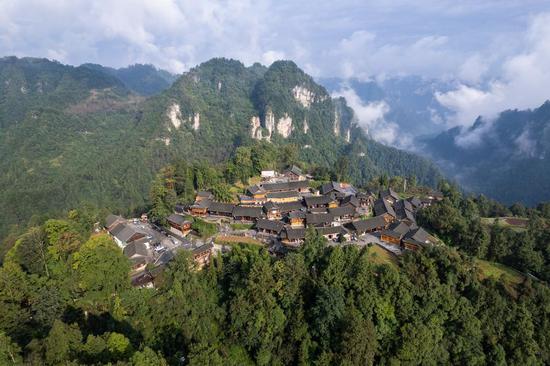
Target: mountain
<point x="505" y="158"/>
<point x="410" y="101"/>
<point x="141" y="79"/>
<point x="73" y="136"/>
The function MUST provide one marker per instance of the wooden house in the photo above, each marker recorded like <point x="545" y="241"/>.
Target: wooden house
<point x="383" y="208"/>
<point x="395" y="233"/>
<point x="179" y="223"/>
<point x="200" y="208"/>
<point x="293" y="237"/>
<point x="221" y="209"/>
<point x="294" y="173"/>
<point x="361" y="227"/>
<point x="389" y="195"/>
<point x="343" y="213"/>
<point x="297" y="218"/>
<point x="201" y="255"/>
<point x="269" y="226"/>
<point x="321" y="219"/>
<point x="272" y="211"/>
<point x="332" y="232"/>
<point x="417" y="239"/>
<point x="113" y="220"/>
<point x="282" y="197"/>
<point x="247" y="213"/>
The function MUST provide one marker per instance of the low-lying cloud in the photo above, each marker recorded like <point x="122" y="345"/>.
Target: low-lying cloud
<point x="522" y="83"/>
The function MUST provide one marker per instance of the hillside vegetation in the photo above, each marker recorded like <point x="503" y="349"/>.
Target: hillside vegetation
<point x="78" y="136"/>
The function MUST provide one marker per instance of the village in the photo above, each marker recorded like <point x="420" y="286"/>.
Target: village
<point x="275" y="212"/>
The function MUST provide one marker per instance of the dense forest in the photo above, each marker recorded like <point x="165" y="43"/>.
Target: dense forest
<point x="65" y="299"/>
<point x="74" y="137"/>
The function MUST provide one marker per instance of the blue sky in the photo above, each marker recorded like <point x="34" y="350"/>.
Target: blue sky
<point x="497" y="52"/>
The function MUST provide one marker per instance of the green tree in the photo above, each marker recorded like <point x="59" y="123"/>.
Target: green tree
<point x="63" y="343"/>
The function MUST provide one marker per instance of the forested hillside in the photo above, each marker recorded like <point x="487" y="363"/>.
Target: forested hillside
<point x="506" y="159"/>
<point x="74" y="136"/>
<point x="322" y="305"/>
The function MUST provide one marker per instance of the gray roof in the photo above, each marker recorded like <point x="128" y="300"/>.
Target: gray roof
<point x="202" y="204"/>
<point x="344" y="188"/>
<point x="270" y="225"/>
<point x="347" y="210"/>
<point x="393" y="234"/>
<point x="127" y="232"/>
<point x="285" y="186"/>
<point x="415" y="201"/>
<point x="294" y="233"/>
<point x="221" y="207"/>
<point x="402" y="214"/>
<point x="404" y="205"/>
<point x="317" y="200"/>
<point x="136" y="248"/>
<point x="283" y="194"/>
<point x="117" y="229"/>
<point x="269" y="206"/>
<point x="297" y="214"/>
<point x="255" y="189"/>
<point x="176" y="219"/>
<point x="111" y="219"/>
<point x="203" y="248"/>
<point x="316" y="219"/>
<point x="293" y="169"/>
<point x="381" y="206"/>
<point x="330" y="230"/>
<point x="419" y="234"/>
<point x="389" y="193"/>
<point x="254" y="212"/>
<point x="290" y="206"/>
<point x="400" y="227"/>
<point x="204" y="194"/>
<point x="362" y="226"/>
<point x="352" y="200"/>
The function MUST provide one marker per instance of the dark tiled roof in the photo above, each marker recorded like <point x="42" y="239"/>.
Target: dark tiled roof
<point x="352" y="200"/>
<point x="221" y="207"/>
<point x="294" y="233"/>
<point x="176" y="219"/>
<point x="254" y="212"/>
<point x="347" y="210"/>
<point x="392" y="234"/>
<point x="111" y="219"/>
<point x="415" y="201"/>
<point x="127" y="232"/>
<point x="330" y="230"/>
<point x="270" y="225"/>
<point x="269" y="206"/>
<point x="293" y="169"/>
<point x="316" y="219"/>
<point x="400" y="227"/>
<point x="136" y="248"/>
<point x="283" y="194"/>
<point x="419" y="234"/>
<point x="381" y="206"/>
<point x="204" y="194"/>
<point x="297" y="214"/>
<point x="389" y="193"/>
<point x="290" y="206"/>
<point x="180" y="208"/>
<point x="285" y="186"/>
<point x="202" y="204"/>
<point x="255" y="189"/>
<point x="402" y="204"/>
<point x="318" y="210"/>
<point x="403" y="214"/>
<point x="344" y="188"/>
<point x="362" y="226"/>
<point x="317" y="200"/>
<point x="203" y="248"/>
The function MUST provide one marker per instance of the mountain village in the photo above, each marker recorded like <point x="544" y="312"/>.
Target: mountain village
<point x="275" y="212"/>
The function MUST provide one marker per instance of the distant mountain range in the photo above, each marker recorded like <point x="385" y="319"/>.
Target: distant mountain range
<point x="91" y="135"/>
<point x="507" y="159"/>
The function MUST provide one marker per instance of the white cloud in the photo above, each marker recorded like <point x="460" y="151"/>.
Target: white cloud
<point x="371" y="117"/>
<point x="523" y="82"/>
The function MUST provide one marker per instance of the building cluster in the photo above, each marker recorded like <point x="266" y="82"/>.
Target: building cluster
<point x="149" y="248"/>
<point x="283" y="205"/>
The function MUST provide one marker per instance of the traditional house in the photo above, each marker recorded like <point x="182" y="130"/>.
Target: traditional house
<point x="294" y="173"/>
<point x="319" y="219"/>
<point x="320" y="201"/>
<point x="247" y="213"/>
<point x="345" y="189"/>
<point x="245" y="200"/>
<point x="361" y="227"/>
<point x="404" y="211"/>
<point x="272" y="211"/>
<point x="395" y="233"/>
<point x="179" y="223"/>
<point x="416" y="203"/>
<point x="269" y="226"/>
<point x="297" y="218"/>
<point x="298" y="186"/>
<point x="203" y="195"/>
<point x="284" y="196"/>
<point x="389" y="195"/>
<point x="343" y="213"/>
<point x="221" y="209"/>
<point x="138" y="254"/>
<point x="257" y="193"/>
<point x="366" y="200"/>
<point x="126" y="233"/>
<point x="180" y="208"/>
<point x="201" y="255"/>
<point x="417" y="239"/>
<point x="383" y="208"/>
<point x="200" y="208"/>
<point x="293" y="237"/>
<point x="113" y="220"/>
<point x="350" y="200"/>
<point x="290" y="206"/>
